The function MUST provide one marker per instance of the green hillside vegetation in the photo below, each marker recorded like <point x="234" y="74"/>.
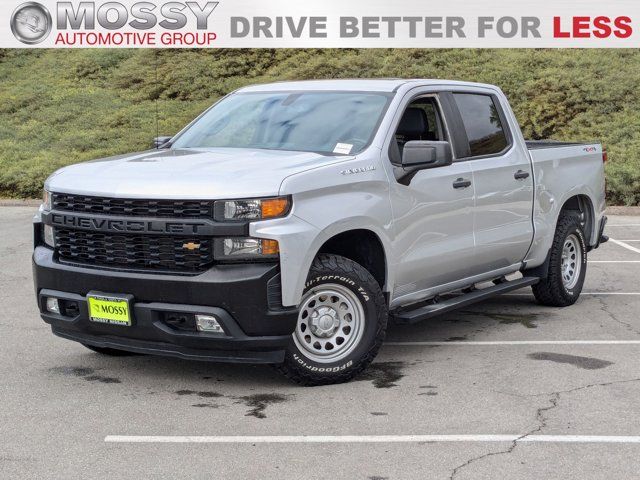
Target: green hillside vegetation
<point x="60" y="107"/>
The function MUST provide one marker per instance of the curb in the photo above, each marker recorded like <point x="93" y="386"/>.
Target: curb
<point x="25" y="202"/>
<point x="623" y="210"/>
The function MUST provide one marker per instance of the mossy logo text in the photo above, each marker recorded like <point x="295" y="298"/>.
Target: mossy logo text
<point x="140" y="16"/>
<point x="112" y="24"/>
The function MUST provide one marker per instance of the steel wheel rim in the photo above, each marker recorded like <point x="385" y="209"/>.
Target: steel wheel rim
<point x="330" y="323"/>
<point x="571" y="261"/>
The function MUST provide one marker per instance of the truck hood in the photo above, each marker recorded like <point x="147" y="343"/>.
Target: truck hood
<point x="187" y="173"/>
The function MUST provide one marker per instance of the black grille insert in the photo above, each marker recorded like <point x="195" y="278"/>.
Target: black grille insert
<point x="137" y="252"/>
<point x="133" y="207"/>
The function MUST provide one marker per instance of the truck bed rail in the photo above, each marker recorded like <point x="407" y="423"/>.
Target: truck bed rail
<point x="539" y="144"/>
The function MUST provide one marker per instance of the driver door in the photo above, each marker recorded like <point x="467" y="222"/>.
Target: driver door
<point x="433" y="210"/>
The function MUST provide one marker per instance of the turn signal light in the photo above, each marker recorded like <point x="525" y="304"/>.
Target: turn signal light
<point x="270" y="247"/>
<point x="274" y="207"/>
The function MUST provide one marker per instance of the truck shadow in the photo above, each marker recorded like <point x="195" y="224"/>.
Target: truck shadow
<point x="465" y="324"/>
<point x="192" y="376"/>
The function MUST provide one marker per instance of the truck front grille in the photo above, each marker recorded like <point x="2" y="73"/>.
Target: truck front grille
<point x="138" y="252"/>
<point x="133" y="207"/>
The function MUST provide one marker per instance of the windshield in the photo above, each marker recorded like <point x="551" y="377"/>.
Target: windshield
<point x="324" y="122"/>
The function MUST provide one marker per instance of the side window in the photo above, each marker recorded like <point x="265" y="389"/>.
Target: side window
<point x="482" y="123"/>
<point x="420" y="121"/>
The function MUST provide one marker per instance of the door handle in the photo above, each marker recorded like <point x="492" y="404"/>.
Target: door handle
<point x="461" y="183"/>
<point x="521" y="175"/>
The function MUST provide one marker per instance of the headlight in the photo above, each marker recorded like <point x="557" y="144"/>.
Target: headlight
<point x="46" y="200"/>
<point x="254" y="209"/>
<point x="49" y="237"/>
<point x="251" y="249"/>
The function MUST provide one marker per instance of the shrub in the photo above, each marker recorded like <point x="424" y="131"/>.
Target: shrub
<point x="61" y="107"/>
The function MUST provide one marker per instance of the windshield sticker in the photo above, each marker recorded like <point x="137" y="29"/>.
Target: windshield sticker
<point x="344" y="148"/>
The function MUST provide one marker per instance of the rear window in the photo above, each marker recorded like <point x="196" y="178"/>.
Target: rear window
<point x="482" y="123"/>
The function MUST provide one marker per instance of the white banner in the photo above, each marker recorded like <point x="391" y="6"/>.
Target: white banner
<point x="320" y="24"/>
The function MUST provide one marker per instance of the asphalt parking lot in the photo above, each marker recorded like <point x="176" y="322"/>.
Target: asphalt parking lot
<point x="502" y="389"/>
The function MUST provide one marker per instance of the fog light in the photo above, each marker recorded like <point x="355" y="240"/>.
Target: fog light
<point x="52" y="305"/>
<point x="49" y="238"/>
<point x="208" y="323"/>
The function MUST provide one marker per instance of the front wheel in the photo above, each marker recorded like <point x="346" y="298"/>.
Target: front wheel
<point x="567" y="264"/>
<point x="341" y="323"/>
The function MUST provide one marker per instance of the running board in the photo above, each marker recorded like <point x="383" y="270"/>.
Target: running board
<point x="459" y="301"/>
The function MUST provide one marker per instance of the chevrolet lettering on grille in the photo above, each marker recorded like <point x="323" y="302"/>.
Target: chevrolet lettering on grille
<point x="101" y="224"/>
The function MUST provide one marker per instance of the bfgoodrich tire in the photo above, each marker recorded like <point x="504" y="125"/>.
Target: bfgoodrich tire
<point x="341" y="324"/>
<point x="567" y="264"/>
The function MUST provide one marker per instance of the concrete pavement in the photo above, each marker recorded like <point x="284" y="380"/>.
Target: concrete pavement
<point x="61" y="401"/>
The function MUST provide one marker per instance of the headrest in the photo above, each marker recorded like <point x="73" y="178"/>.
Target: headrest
<point x="414" y="123"/>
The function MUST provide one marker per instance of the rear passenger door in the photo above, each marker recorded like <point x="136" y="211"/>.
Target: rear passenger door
<point x="503" y="180"/>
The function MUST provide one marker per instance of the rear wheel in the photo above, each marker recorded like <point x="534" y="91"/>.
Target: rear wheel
<point x="341" y="324"/>
<point x="567" y="264"/>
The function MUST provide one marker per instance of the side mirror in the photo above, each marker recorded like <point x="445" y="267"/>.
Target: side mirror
<point x="419" y="154"/>
<point x="159" y="142"/>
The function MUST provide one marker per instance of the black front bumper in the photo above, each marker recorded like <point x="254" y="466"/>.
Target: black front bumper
<point x="246" y="299"/>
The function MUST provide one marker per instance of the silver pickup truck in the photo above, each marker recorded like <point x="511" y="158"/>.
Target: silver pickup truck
<point x="290" y="222"/>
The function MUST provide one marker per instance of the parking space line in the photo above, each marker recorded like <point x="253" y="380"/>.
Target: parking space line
<point x="614" y="261"/>
<point x="625" y="245"/>
<point x="371" y="438"/>
<point x="513" y="342"/>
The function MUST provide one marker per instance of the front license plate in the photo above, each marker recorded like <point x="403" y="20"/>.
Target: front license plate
<point x="107" y="309"/>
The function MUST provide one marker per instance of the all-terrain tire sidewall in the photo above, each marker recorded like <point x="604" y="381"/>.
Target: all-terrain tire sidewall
<point x="573" y="293"/>
<point x="551" y="290"/>
<point x="339" y="270"/>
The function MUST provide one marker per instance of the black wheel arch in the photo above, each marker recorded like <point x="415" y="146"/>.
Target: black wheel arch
<point x="581" y="204"/>
<point x="363" y="247"/>
<point x="584" y="206"/>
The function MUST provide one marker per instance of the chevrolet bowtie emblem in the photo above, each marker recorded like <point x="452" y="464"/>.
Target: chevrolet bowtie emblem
<point x="191" y="246"/>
